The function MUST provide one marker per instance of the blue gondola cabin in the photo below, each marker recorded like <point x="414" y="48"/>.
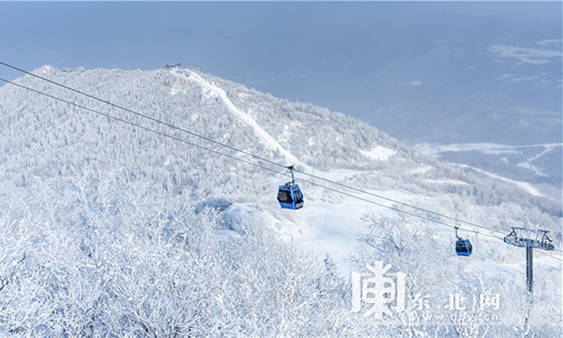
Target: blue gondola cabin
<point x="290" y="196"/>
<point x="463" y="247"/>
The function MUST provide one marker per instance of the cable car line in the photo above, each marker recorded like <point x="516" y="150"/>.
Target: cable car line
<point x="142" y="115"/>
<point x="139" y="126"/>
<point x="265" y="167"/>
<point x="233" y="157"/>
<point x="455" y="219"/>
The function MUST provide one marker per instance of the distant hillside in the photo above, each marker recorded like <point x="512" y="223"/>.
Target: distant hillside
<point x="122" y="232"/>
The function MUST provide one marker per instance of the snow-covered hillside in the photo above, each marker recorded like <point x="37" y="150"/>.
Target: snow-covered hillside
<point x="110" y="230"/>
<point x="535" y="167"/>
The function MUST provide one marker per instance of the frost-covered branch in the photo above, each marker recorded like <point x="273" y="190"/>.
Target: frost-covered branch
<point x="10" y="275"/>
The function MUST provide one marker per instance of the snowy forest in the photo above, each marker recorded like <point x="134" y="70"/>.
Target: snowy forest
<point x="110" y="230"/>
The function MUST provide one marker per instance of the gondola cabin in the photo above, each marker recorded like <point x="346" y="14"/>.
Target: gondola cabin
<point x="463" y="247"/>
<point x="290" y="196"/>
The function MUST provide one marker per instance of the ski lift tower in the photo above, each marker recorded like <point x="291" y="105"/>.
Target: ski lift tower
<point x="529" y="239"/>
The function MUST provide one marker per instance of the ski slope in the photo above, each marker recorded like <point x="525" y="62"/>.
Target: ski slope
<point x="212" y="90"/>
<point x="522" y="185"/>
<point x="535" y="168"/>
<point x="378" y="153"/>
<point x="147" y="230"/>
<point x="332" y="225"/>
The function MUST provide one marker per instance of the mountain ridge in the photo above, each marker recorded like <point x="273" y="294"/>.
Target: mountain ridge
<point x="110" y="188"/>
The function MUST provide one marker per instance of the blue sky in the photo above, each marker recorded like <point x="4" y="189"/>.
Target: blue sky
<point x="420" y="71"/>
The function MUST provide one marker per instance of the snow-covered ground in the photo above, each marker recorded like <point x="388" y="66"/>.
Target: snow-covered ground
<point x="116" y="231"/>
<point x="522" y="185"/>
<point x="213" y="91"/>
<point x="535" y="168"/>
<point x="379" y="153"/>
<point x="332" y="225"/>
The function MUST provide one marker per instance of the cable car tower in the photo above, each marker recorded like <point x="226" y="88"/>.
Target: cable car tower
<point x="529" y="239"/>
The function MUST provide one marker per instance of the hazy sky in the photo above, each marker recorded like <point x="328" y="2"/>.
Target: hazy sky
<point x="398" y="66"/>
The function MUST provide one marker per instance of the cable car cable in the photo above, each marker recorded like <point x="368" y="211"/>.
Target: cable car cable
<point x="221" y="153"/>
<point x="140" y="126"/>
<point x="246" y="152"/>
<point x="279" y="173"/>
<point x="142" y="115"/>
<point x="237" y="149"/>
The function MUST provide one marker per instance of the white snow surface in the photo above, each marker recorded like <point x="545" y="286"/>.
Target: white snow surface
<point x="378" y="153"/>
<point x="213" y="90"/>
<point x="127" y="233"/>
<point x="522" y="185"/>
<point x="487" y="148"/>
<point x="533" y="167"/>
<point x="447" y="182"/>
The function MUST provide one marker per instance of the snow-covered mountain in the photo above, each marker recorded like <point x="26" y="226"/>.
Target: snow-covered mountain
<point x="112" y="230"/>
